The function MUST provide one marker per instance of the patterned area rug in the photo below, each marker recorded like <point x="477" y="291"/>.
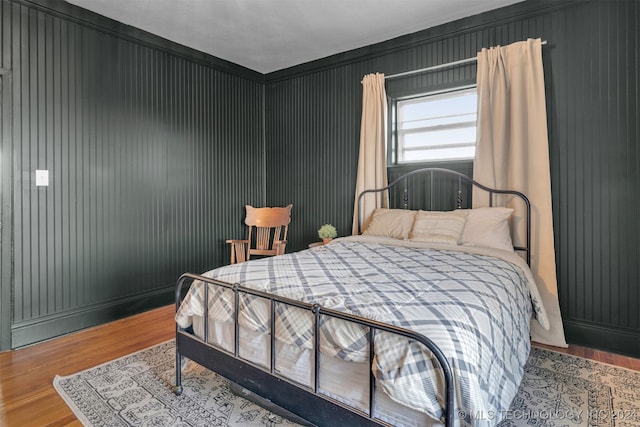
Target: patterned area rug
<point x="135" y="390"/>
<point x="557" y="390"/>
<point x="565" y="391"/>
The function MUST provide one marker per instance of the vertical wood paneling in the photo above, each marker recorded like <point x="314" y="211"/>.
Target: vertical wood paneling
<point x="151" y="158"/>
<point x="311" y="157"/>
<point x="6" y="179"/>
<point x="597" y="164"/>
<point x="591" y="76"/>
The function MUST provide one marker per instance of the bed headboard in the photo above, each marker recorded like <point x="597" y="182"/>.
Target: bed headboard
<point x="443" y="189"/>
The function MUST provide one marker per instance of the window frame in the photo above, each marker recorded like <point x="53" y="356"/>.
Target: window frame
<point x="392" y="121"/>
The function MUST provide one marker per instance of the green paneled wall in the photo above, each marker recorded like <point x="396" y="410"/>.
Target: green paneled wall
<point x="592" y="71"/>
<point x="148" y="150"/>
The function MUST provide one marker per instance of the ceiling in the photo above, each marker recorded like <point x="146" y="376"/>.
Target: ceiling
<point x="270" y="35"/>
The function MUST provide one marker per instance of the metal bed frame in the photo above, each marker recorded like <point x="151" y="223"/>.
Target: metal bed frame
<point x="306" y="402"/>
<point x="461" y="178"/>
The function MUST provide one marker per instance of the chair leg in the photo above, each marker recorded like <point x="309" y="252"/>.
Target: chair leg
<point x="280" y="247"/>
<point x="238" y="253"/>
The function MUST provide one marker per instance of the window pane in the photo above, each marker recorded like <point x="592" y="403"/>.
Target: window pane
<point x="448" y="104"/>
<point x="439" y="121"/>
<point x="439" y="137"/>
<point x="457" y="153"/>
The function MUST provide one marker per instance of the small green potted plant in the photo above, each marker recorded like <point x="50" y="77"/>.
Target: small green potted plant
<point x="327" y="232"/>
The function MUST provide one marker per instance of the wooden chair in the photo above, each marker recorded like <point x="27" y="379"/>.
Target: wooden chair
<point x="271" y="226"/>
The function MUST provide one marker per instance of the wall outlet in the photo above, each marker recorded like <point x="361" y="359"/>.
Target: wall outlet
<point x="42" y="178"/>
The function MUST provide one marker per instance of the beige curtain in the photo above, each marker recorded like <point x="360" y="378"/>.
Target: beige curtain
<point x="372" y="162"/>
<point x="513" y="152"/>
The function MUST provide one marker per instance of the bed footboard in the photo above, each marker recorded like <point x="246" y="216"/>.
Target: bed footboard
<point x="306" y="402"/>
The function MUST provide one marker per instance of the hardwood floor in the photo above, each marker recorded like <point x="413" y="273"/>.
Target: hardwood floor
<point x="597" y="355"/>
<point x="27" y="396"/>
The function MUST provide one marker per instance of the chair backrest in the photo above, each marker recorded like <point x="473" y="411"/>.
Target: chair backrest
<point x="271" y="227"/>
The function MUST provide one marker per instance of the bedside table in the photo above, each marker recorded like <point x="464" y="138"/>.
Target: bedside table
<point x="315" y="245"/>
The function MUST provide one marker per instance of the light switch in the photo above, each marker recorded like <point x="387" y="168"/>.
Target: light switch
<point x="42" y="178"/>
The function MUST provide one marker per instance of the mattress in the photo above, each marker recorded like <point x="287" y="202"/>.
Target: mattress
<point x="475" y="305"/>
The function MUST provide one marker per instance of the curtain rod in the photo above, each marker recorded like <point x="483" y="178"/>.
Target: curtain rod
<point x="437" y="67"/>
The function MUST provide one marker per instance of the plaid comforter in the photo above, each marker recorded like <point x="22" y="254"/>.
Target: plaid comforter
<point x="477" y="308"/>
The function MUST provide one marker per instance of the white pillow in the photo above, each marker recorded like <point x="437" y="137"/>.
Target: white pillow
<point x="394" y="223"/>
<point x="438" y="227"/>
<point x="488" y="227"/>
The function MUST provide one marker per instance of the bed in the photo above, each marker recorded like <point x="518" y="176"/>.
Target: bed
<point x="423" y="319"/>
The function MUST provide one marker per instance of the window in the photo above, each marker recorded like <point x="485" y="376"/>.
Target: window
<point x="436" y="127"/>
